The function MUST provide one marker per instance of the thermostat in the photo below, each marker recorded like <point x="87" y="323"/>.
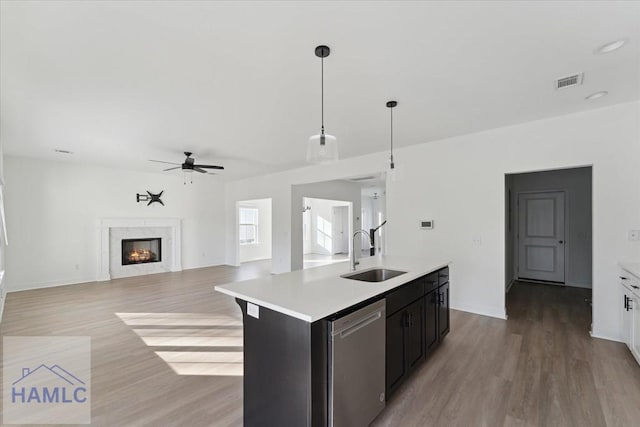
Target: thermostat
<point x="426" y="224"/>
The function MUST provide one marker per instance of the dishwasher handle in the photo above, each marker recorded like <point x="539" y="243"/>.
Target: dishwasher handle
<point x="359" y="324"/>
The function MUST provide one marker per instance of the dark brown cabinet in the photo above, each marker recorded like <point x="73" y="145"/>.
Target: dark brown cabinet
<point x="405" y="343"/>
<point x="432" y="312"/>
<point x="417" y="320"/>
<point x="414" y="331"/>
<point x="443" y="310"/>
<point x="396" y="369"/>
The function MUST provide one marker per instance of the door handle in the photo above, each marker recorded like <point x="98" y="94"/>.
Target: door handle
<point x="626" y="303"/>
<point x="361" y="324"/>
<point x="561" y="241"/>
<point x="441" y="297"/>
<point x="635" y="287"/>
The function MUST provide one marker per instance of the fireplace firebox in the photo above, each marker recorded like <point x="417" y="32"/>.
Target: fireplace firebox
<point x="141" y="251"/>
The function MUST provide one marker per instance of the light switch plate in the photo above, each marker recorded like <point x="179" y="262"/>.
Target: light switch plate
<point x="634" y="235"/>
<point x="253" y="310"/>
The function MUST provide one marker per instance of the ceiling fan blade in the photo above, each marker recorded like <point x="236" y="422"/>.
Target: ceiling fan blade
<point x="197" y="169"/>
<point x="209" y="166"/>
<point x="170" y="169"/>
<point x="160" y="161"/>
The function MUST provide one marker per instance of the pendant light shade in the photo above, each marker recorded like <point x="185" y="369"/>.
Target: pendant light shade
<point x="322" y="152"/>
<point x="322" y="148"/>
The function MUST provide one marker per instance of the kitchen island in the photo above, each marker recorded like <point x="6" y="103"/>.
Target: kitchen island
<point x="287" y="318"/>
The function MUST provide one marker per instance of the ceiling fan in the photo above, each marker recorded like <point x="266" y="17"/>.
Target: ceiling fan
<point x="189" y="165"/>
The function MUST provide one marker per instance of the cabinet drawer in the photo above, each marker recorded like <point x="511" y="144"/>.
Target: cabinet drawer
<point x="431" y="282"/>
<point x="443" y="276"/>
<point x="404" y="296"/>
<point x="630" y="281"/>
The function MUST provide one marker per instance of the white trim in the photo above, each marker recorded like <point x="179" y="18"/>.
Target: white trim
<point x="509" y="285"/>
<point x="105" y="224"/>
<point x="606" y="337"/>
<point x="3" y="294"/>
<point x="483" y="311"/>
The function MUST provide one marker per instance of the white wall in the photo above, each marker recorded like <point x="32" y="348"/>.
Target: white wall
<point x="3" y="243"/>
<point x="53" y="208"/>
<point x="459" y="182"/>
<point x="577" y="186"/>
<point x="261" y="250"/>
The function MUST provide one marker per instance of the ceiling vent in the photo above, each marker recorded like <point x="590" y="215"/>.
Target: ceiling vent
<point x="569" y="81"/>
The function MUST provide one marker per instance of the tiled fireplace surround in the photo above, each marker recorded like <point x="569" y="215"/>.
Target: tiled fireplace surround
<point x="113" y="230"/>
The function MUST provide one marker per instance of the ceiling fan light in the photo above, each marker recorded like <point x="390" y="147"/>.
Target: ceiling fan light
<point x="322" y="153"/>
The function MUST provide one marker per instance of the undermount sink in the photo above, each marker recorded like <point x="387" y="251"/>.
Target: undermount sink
<point x="375" y="275"/>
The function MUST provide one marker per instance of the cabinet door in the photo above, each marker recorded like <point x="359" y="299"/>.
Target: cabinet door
<point x="627" y="317"/>
<point x="431" y="320"/>
<point x="635" y="309"/>
<point x="443" y="310"/>
<point x="395" y="351"/>
<point x="415" y="334"/>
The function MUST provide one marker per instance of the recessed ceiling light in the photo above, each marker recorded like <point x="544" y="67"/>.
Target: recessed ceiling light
<point x="597" y="95"/>
<point x="58" y="150"/>
<point x="610" y="47"/>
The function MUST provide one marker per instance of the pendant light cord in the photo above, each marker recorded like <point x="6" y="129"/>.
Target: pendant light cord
<point x="391" y="137"/>
<point x="322" y="91"/>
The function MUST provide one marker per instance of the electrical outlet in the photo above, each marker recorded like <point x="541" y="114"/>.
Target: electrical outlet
<point x="477" y="241"/>
<point x="634" y="235"/>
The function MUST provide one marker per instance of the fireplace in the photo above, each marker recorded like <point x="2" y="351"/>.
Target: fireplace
<point x="141" y="251"/>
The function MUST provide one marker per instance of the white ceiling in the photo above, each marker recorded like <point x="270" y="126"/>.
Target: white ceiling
<point x="237" y="83"/>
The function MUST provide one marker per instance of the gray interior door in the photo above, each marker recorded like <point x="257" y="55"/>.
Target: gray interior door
<point x="541" y="238"/>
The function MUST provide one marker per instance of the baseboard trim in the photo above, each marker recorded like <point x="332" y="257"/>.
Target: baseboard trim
<point x="46" y="285"/>
<point x="606" y="337"/>
<point x="509" y="285"/>
<point x="489" y="312"/>
<point x="55" y="284"/>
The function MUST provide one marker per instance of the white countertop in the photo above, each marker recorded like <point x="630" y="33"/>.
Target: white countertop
<point x="316" y="293"/>
<point x="632" y="267"/>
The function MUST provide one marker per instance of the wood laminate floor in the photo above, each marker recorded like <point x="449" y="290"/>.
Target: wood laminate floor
<point x="167" y="351"/>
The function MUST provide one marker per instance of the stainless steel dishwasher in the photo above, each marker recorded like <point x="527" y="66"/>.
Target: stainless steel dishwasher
<point x="357" y="366"/>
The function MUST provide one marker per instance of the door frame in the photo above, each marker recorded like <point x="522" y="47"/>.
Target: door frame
<point x="505" y="223"/>
<point x="516" y="224"/>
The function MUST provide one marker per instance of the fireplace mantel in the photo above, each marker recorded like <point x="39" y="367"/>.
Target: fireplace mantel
<point x="104" y="250"/>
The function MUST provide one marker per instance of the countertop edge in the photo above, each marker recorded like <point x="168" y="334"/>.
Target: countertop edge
<point x="417" y="273"/>
<point x="265" y="304"/>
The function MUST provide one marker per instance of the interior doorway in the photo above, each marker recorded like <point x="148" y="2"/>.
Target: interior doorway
<point x="326" y="227"/>
<point x="548" y="240"/>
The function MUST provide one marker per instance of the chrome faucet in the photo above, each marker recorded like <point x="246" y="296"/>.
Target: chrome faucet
<point x="353" y="248"/>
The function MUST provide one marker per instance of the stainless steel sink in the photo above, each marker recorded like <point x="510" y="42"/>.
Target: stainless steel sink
<point x="375" y="275"/>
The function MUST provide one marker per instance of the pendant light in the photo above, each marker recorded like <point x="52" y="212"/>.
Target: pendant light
<point x="391" y="105"/>
<point x="322" y="148"/>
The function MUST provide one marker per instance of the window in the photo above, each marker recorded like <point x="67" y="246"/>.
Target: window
<point x="248" y="226"/>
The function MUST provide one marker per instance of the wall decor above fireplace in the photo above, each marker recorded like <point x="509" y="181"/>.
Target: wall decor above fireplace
<point x="149" y="197"/>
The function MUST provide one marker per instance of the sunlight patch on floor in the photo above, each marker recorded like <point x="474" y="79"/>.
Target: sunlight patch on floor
<point x="193" y="331"/>
<point x="178" y="319"/>
<point x="204" y="363"/>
